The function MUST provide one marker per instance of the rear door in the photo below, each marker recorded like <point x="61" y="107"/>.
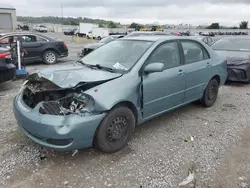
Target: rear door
<point x="33" y="45"/>
<point x="198" y="66"/>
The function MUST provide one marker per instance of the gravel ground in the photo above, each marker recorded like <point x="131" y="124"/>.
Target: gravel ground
<point x="159" y="155"/>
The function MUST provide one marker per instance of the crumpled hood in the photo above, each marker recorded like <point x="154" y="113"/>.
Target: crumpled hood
<point x="68" y="76"/>
<point x="94" y="45"/>
<point x="234" y="57"/>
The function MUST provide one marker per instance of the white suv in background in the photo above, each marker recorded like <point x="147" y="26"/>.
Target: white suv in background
<point x="41" y="28"/>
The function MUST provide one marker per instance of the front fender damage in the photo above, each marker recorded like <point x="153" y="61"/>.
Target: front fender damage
<point x="54" y="100"/>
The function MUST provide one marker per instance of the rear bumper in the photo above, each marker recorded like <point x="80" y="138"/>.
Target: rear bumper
<point x="240" y="73"/>
<point x="66" y="54"/>
<point x="8" y="72"/>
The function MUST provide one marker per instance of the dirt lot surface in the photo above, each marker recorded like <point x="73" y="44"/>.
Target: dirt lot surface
<point x="159" y="155"/>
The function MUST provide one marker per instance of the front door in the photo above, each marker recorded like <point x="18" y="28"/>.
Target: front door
<point x="164" y="90"/>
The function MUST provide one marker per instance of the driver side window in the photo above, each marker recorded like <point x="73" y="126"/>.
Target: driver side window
<point x="168" y="54"/>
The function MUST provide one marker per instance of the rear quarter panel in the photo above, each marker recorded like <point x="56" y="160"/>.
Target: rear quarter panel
<point x="56" y="46"/>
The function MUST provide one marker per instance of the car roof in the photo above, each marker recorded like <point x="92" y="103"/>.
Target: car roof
<point x="155" y="38"/>
<point x="26" y="33"/>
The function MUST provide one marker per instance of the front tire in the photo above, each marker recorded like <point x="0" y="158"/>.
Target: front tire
<point x="50" y="57"/>
<point x="115" y="130"/>
<point x="210" y="94"/>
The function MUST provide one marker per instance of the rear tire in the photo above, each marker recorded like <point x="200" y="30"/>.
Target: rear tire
<point x="210" y="94"/>
<point x="50" y="57"/>
<point x="115" y="130"/>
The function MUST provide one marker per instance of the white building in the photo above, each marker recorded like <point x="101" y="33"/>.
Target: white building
<point x="8" y="21"/>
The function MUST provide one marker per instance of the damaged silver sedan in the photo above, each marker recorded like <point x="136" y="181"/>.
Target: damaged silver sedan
<point x="98" y="100"/>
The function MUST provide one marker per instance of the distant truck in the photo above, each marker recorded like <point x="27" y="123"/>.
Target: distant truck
<point x="98" y="33"/>
<point x="84" y="29"/>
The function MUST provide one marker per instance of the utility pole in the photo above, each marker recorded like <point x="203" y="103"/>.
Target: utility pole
<point x="61" y="10"/>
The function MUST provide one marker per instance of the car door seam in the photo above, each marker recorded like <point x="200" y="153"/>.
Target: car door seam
<point x="196" y="86"/>
<point x="164" y="97"/>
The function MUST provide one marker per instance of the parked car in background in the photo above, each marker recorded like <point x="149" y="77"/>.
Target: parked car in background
<point x="41" y="28"/>
<point x="23" y="27"/>
<point x="38" y="47"/>
<point x="7" y="69"/>
<point x="70" y="31"/>
<point x="101" y="98"/>
<point x="210" y="34"/>
<point x="205" y="39"/>
<point x="92" y="46"/>
<point x="236" y="49"/>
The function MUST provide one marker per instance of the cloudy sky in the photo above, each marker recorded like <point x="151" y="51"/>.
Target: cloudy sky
<point x="195" y="12"/>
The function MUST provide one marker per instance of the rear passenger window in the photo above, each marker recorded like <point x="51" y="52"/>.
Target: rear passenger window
<point x="29" y="38"/>
<point x="168" y="54"/>
<point x="194" y="52"/>
<point x="39" y="39"/>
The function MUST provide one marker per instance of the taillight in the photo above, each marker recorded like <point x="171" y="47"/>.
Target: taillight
<point x="64" y="44"/>
<point x="5" y="55"/>
<point x="226" y="61"/>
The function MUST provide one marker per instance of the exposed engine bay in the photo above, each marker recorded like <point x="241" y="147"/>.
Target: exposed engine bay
<point x="59" y="101"/>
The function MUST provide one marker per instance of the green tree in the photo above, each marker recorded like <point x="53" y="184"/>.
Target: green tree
<point x="244" y="25"/>
<point x="112" y="25"/>
<point x="214" y="26"/>
<point x="134" y="25"/>
<point x="101" y="25"/>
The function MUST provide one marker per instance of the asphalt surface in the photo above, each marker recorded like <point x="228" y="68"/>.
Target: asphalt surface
<point x="214" y="141"/>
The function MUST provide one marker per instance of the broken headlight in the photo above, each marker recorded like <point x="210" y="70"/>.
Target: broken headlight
<point x="75" y="103"/>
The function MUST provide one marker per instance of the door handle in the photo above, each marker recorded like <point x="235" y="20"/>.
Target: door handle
<point x="180" y="72"/>
<point x="208" y="65"/>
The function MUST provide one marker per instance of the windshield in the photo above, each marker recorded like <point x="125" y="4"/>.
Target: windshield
<point x="234" y="44"/>
<point x="119" y="54"/>
<point x="106" y="39"/>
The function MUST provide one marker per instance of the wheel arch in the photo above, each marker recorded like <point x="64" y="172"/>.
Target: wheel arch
<point x="129" y="105"/>
<point x="50" y="49"/>
<point x="217" y="77"/>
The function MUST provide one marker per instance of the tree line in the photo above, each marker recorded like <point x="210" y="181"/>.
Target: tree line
<point x="106" y="23"/>
<point x="242" y="25"/>
<point x="67" y="21"/>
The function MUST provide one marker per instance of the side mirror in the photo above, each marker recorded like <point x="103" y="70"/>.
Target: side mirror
<point x="154" y="67"/>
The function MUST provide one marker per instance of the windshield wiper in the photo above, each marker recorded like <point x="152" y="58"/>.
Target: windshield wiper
<point x="98" y="66"/>
<point x="85" y="64"/>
